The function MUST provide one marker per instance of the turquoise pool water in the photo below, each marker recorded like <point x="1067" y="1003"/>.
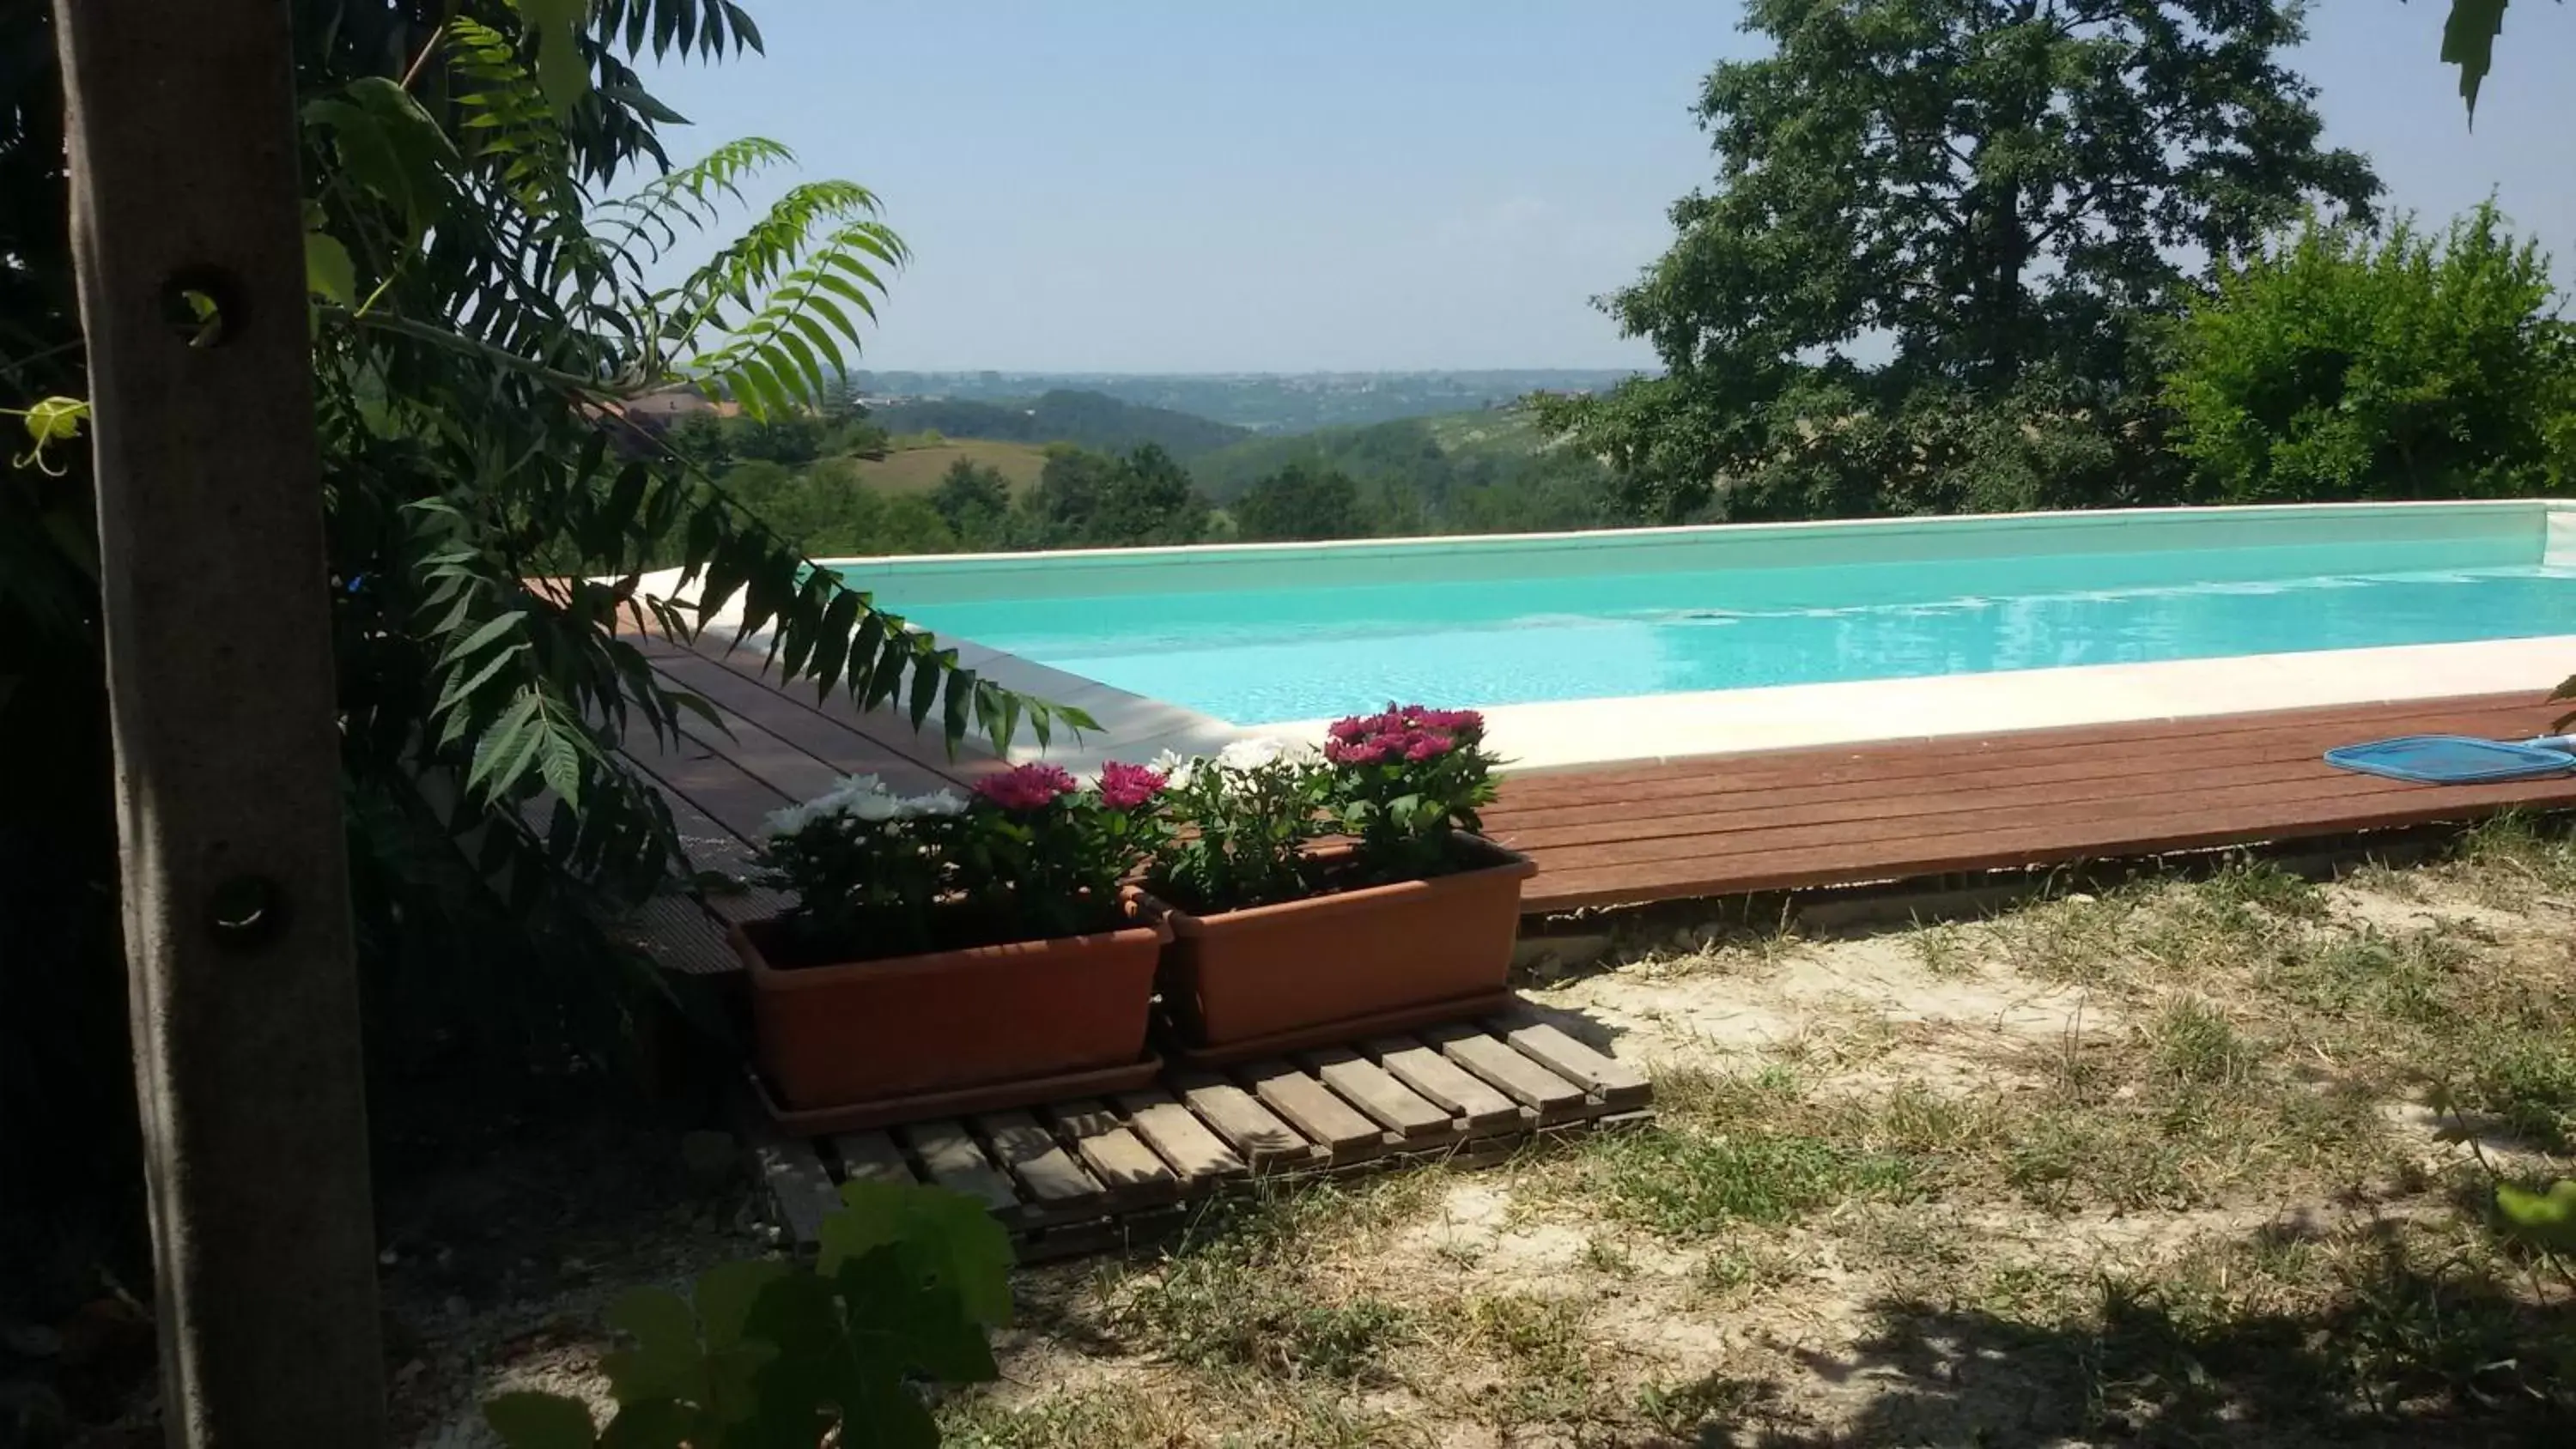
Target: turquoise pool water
<point x="1266" y="654"/>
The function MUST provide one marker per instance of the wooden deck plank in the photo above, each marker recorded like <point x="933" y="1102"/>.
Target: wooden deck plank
<point x="1619" y="1084"/>
<point x="1908" y="757"/>
<point x="1034" y="1157"/>
<point x="1196" y="1155"/>
<point x="720" y="790"/>
<point x="2290" y="800"/>
<point x="1381" y="1097"/>
<point x="792" y="1174"/>
<point x="892" y="733"/>
<point x="1450" y="1086"/>
<point x="1127" y="1169"/>
<point x="2182" y="821"/>
<point x="1310" y="1107"/>
<point x="2093" y="752"/>
<point x="1507" y="1071"/>
<point x="1247" y="1126"/>
<point x="953" y="1159"/>
<point x="1875" y="802"/>
<point x="785" y="713"/>
<point x="872" y="1157"/>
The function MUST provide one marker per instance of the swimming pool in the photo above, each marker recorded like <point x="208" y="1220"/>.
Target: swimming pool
<point x="1261" y="634"/>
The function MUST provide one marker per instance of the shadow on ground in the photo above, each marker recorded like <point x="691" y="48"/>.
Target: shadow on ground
<point x="2409" y="1355"/>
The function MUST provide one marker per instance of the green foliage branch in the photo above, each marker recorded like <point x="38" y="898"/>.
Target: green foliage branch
<point x="492" y="222"/>
<point x="768" y="1354"/>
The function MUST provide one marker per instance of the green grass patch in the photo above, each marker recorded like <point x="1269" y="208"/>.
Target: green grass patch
<point x="1247" y="1290"/>
<point x="1683" y="1184"/>
<point x="2194" y="1045"/>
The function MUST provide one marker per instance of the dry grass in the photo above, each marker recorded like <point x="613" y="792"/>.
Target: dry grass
<point x="2152" y="1164"/>
<point x="2175" y="1163"/>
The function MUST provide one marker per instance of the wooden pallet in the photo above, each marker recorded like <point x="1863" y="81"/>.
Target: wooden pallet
<point x="1093" y="1174"/>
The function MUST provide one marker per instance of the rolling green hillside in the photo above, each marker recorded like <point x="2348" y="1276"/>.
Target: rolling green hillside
<point x="1407" y="453"/>
<point x="1086" y="419"/>
<point x="917" y="468"/>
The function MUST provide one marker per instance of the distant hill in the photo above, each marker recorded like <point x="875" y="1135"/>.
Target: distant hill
<point x="1402" y="453"/>
<point x="919" y="468"/>
<point x="1086" y="419"/>
<point x="1265" y="402"/>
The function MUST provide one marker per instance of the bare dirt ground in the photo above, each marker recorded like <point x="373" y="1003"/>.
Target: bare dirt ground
<point x="2194" y="1161"/>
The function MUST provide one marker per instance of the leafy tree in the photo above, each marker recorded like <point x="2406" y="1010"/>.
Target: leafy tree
<point x="702" y="438"/>
<point x="757" y="484"/>
<point x="1300" y="503"/>
<point x="488" y="193"/>
<point x="856" y="437"/>
<point x="1056" y="511"/>
<point x="973" y="498"/>
<point x="1983" y="198"/>
<point x="786" y="438"/>
<point x="909" y="524"/>
<point x="2352" y="364"/>
<point x="1148" y="500"/>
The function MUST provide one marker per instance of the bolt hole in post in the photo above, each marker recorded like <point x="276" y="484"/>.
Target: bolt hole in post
<point x="246" y="912"/>
<point x="201" y="306"/>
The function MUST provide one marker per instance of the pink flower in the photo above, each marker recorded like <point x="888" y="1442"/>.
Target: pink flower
<point x="1356" y="751"/>
<point x="1426" y="745"/>
<point x="1029" y="787"/>
<point x="1411" y="733"/>
<point x="1124" y="786"/>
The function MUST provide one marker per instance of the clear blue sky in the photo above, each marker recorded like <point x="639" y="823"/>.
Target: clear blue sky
<point x="1180" y="185"/>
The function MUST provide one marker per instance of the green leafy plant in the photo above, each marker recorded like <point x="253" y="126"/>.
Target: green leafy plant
<point x="770" y="1355"/>
<point x="2543" y="1220"/>
<point x="1248" y="814"/>
<point x="1034" y="855"/>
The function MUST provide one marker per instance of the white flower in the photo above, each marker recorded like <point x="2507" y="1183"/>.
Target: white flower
<point x="937" y="802"/>
<point x="1176" y="768"/>
<point x="1253" y="754"/>
<point x="855" y="795"/>
<point x="1248" y="754"/>
<point x="855" y="787"/>
<point x="874" y="808"/>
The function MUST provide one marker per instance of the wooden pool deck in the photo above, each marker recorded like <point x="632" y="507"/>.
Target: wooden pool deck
<point x="1725" y="825"/>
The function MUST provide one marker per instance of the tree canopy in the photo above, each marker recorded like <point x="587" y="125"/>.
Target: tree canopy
<point x="1974" y="201"/>
<point x="2349" y="365"/>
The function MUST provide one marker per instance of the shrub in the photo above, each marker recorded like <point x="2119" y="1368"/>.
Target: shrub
<point x="2351" y="364"/>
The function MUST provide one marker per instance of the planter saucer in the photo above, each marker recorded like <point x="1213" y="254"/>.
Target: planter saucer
<point x="1340" y="1032"/>
<point x="956" y="1101"/>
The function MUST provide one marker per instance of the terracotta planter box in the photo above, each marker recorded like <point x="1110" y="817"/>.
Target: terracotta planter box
<point x="1270" y="972"/>
<point x="912" y="1026"/>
